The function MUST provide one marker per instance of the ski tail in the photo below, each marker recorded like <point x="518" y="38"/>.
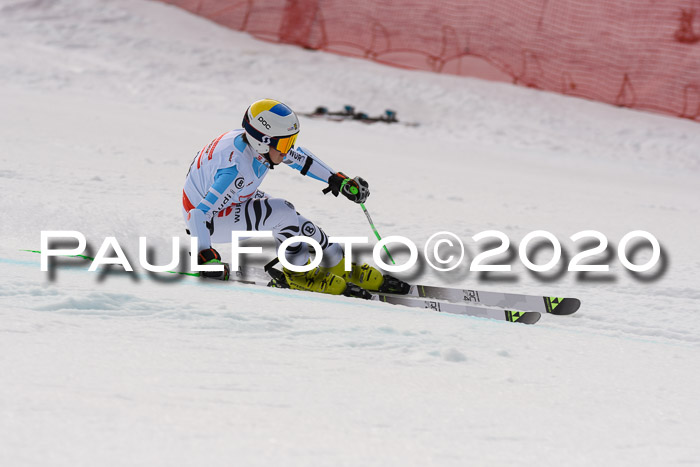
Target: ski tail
<point x="561" y="305"/>
<point x="525" y="317"/>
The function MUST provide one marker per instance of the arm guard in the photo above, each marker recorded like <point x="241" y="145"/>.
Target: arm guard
<point x="308" y="164"/>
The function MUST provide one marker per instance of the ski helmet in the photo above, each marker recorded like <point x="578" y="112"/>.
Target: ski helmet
<point x="268" y="122"/>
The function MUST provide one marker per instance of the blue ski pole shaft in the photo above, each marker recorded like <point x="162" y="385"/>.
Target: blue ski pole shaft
<point x="375" y="231"/>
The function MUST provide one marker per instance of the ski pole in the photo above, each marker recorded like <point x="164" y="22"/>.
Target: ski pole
<point x="375" y="231"/>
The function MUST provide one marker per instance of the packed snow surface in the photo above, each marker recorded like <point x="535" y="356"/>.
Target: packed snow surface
<point x="104" y="104"/>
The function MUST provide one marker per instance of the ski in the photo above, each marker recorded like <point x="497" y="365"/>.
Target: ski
<point x="513" y="316"/>
<point x="460" y="301"/>
<point x="511" y="301"/>
<point x="349" y="113"/>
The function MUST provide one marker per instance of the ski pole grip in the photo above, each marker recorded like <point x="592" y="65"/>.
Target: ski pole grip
<point x="332" y="182"/>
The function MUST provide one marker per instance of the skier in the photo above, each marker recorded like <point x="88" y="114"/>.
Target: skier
<point x="221" y="195"/>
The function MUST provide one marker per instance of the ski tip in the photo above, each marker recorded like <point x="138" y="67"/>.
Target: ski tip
<point x="524" y="317"/>
<point x="562" y="306"/>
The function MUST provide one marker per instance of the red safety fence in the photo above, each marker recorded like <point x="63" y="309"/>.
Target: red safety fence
<point x="643" y="54"/>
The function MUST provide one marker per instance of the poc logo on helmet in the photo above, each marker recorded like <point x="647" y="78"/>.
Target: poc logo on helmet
<point x="265" y="124"/>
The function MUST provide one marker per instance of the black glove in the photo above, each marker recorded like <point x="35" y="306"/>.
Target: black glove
<point x="212" y="257"/>
<point x="355" y="189"/>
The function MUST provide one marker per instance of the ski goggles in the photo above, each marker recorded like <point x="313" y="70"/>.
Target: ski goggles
<point x="282" y="143"/>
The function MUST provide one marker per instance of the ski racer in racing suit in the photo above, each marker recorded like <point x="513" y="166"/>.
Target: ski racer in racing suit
<point x="221" y="195"/>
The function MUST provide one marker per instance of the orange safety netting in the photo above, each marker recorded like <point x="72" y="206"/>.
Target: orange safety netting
<point x="642" y="54"/>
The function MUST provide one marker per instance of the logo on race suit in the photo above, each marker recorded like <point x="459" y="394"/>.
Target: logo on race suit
<point x="264" y="122"/>
<point x="308" y="229"/>
<point x="289" y="205"/>
<point x="296" y="156"/>
<point x="239" y="182"/>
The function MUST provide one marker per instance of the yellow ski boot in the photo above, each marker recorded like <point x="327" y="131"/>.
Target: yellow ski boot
<point x="315" y="280"/>
<point x="369" y="278"/>
<point x="362" y="275"/>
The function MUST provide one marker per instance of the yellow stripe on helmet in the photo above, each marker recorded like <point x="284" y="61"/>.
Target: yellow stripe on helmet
<point x="261" y="106"/>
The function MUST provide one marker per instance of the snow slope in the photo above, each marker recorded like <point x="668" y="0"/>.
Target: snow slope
<point x="104" y="104"/>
